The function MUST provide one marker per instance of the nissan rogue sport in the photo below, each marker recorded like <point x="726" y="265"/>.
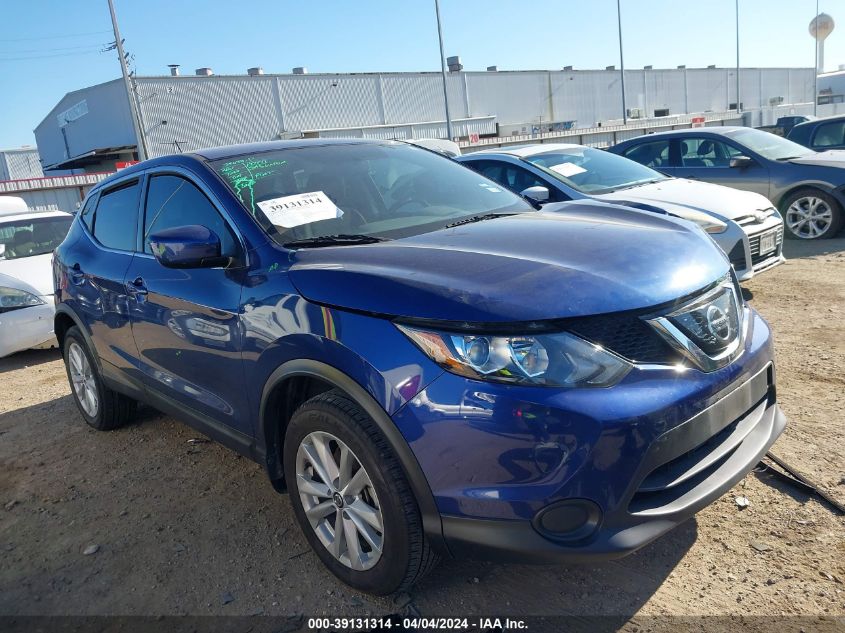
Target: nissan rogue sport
<point x="430" y="366"/>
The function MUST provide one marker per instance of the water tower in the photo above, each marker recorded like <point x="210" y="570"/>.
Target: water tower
<point x="820" y="27"/>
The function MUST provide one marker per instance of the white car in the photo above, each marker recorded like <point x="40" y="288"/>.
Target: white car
<point x="744" y="224"/>
<point x="27" y="240"/>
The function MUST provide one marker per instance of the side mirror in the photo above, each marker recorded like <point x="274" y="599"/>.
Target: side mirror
<point x="741" y="162"/>
<point x="537" y="194"/>
<point x="191" y="246"/>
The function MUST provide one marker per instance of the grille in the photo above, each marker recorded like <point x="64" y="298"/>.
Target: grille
<point x="754" y="243"/>
<point x="737" y="256"/>
<point x="626" y="335"/>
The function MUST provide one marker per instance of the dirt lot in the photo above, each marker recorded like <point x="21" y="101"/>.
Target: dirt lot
<point x="186" y="528"/>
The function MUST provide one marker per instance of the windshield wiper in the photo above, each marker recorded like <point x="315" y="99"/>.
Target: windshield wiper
<point x="478" y="218"/>
<point x="788" y="158"/>
<point x="333" y="240"/>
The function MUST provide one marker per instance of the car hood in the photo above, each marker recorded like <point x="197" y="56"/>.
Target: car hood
<point x="8" y="281"/>
<point x="36" y="271"/>
<point x="830" y="158"/>
<point x="678" y="195"/>
<point x="581" y="258"/>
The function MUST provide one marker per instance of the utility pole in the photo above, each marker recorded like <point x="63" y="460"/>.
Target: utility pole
<point x="816" y="66"/>
<point x="738" y="106"/>
<point x="442" y="70"/>
<point x="621" y="63"/>
<point x="139" y="132"/>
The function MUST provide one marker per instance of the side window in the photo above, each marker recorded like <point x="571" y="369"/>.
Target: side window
<point x="654" y="154"/>
<point x="705" y="152"/>
<point x="829" y="134"/>
<point x="519" y="179"/>
<point x="489" y="169"/>
<point x="116" y="217"/>
<point x="174" y="201"/>
<point x="800" y="134"/>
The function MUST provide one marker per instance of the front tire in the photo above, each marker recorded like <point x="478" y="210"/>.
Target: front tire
<point x="351" y="497"/>
<point x="101" y="407"/>
<point x="811" y="214"/>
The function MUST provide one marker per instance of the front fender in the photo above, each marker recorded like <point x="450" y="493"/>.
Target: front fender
<point x="268" y="433"/>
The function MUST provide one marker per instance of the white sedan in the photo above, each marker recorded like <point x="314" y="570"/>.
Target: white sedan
<point x="744" y="224"/>
<point x="27" y="241"/>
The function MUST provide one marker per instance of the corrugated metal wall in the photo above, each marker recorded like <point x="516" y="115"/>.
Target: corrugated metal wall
<point x="16" y="164"/>
<point x="186" y="113"/>
<point x="66" y="199"/>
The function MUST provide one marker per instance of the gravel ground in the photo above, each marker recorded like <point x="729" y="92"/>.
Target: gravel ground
<point x="141" y="521"/>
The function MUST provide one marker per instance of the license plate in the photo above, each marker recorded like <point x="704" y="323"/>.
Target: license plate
<point x="768" y="242"/>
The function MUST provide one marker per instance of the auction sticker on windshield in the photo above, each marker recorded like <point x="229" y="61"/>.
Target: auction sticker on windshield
<point x="299" y="209"/>
<point x="568" y="169"/>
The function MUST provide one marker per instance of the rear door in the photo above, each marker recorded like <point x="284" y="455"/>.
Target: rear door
<point x="97" y="275"/>
<point x="709" y="159"/>
<point x="185" y="321"/>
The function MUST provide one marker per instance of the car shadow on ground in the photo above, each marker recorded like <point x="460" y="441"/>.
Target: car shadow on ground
<point x="616" y="589"/>
<point x="28" y="359"/>
<point x="794" y="249"/>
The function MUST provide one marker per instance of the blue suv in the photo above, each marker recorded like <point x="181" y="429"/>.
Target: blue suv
<point x="429" y="365"/>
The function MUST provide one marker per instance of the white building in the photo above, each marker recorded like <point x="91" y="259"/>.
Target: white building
<point x="92" y="128"/>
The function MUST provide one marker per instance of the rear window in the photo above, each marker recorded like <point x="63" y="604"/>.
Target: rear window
<point x="116" y="217"/>
<point x="29" y="237"/>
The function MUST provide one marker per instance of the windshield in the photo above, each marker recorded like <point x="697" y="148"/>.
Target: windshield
<point x="768" y="145"/>
<point x="29" y="237"/>
<point x="593" y="171"/>
<point x="384" y="190"/>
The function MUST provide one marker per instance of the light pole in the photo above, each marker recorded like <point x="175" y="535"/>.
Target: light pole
<point x="139" y="132"/>
<point x="442" y="70"/>
<point x="621" y="63"/>
<point x="738" y="106"/>
<point x="816" y="66"/>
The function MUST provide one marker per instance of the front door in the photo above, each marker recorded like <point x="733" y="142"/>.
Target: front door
<point x="709" y="159"/>
<point x="185" y="321"/>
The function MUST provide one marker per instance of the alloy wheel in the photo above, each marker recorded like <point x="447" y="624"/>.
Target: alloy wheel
<point x="340" y="501"/>
<point x="82" y="379"/>
<point x="809" y="217"/>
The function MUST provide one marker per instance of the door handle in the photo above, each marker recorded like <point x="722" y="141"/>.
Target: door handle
<point x="136" y="287"/>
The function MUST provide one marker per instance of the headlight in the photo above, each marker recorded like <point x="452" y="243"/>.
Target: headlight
<point x="706" y="221"/>
<point x="553" y="360"/>
<point x="14" y="299"/>
<point x="712" y="225"/>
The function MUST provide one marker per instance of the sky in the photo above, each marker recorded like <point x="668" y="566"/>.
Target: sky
<point x="51" y="47"/>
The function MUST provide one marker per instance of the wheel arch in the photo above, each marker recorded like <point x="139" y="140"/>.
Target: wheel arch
<point x="294" y="382"/>
<point x="64" y="319"/>
<point x="820" y="186"/>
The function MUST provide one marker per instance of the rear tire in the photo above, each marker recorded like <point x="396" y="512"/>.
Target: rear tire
<point x="811" y="214"/>
<point x="101" y="407"/>
<point x="333" y="430"/>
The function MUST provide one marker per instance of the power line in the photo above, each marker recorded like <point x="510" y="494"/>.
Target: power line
<point x="50" y="50"/>
<point x="52" y="37"/>
<point x="17" y="59"/>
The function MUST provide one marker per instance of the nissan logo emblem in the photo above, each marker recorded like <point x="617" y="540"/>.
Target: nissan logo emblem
<point x="718" y="323"/>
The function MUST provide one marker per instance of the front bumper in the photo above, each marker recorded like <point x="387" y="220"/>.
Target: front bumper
<point x="745" y="256"/>
<point x="647" y="454"/>
<point x="27" y="328"/>
<point x="746" y="440"/>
